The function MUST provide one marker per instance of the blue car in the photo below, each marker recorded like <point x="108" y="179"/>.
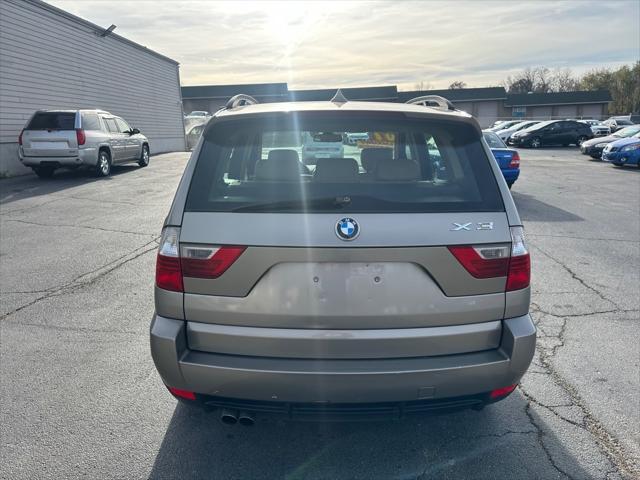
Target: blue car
<point x="508" y="159"/>
<point x="625" y="151"/>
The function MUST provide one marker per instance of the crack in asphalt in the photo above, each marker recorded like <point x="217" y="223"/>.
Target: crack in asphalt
<point x="63" y="225"/>
<point x="540" y="433"/>
<point x="576" y="277"/>
<point x="77" y="282"/>
<point x="22" y="210"/>
<point x="607" y="443"/>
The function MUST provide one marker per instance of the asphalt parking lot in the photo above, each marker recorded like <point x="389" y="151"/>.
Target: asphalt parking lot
<point x="80" y="397"/>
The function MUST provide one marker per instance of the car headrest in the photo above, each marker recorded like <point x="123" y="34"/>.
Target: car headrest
<point x="370" y="157"/>
<point x="281" y="165"/>
<point x="398" y="171"/>
<point x="283" y="155"/>
<point x="336" y="170"/>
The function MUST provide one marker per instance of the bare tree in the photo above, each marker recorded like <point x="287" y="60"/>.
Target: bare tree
<point x="536" y="79"/>
<point x="457" y="85"/>
<point x="562" y="80"/>
<point x="422" y="85"/>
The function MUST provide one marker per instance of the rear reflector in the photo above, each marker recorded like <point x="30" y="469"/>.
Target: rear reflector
<point x="168" y="272"/>
<point x="80" y="136"/>
<point x="177" y="392"/>
<point x="208" y="261"/>
<point x="502" y="392"/>
<point x="515" y="160"/>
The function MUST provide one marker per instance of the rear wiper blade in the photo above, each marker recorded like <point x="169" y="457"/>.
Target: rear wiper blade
<point x="324" y="202"/>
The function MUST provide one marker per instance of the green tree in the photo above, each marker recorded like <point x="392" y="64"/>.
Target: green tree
<point x="623" y="85"/>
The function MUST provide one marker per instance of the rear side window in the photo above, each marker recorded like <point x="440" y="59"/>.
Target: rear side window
<point x="312" y="162"/>
<point x="111" y="125"/>
<point x="90" y="121"/>
<point x="52" y="121"/>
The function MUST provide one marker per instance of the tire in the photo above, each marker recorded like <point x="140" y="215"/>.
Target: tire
<point x="103" y="167"/>
<point x="581" y="139"/>
<point x="143" y="161"/>
<point x="44" y="172"/>
<point x="535" y="142"/>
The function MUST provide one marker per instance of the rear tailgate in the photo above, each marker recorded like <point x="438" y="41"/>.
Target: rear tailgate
<point x="50" y="134"/>
<point x="284" y="279"/>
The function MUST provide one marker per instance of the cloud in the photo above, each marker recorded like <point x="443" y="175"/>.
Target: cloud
<point x="332" y="44"/>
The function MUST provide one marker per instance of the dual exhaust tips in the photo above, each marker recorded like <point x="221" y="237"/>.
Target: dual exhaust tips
<point x="231" y="417"/>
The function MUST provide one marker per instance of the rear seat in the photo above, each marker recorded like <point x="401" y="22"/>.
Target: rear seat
<point x="281" y="165"/>
<point x="370" y="157"/>
<point x="336" y="170"/>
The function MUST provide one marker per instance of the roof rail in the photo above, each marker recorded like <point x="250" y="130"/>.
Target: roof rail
<point x="240" y="100"/>
<point x="432" y="101"/>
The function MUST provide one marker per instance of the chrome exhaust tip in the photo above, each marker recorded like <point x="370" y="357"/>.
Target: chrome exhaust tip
<point x="247" y="419"/>
<point x="229" y="417"/>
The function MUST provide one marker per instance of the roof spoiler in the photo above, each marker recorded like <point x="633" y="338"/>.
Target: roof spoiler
<point x="240" y="100"/>
<point x="434" y="101"/>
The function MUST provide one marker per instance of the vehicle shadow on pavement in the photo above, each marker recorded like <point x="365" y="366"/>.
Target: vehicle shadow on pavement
<point x="532" y="209"/>
<point x="30" y="186"/>
<point x="500" y="442"/>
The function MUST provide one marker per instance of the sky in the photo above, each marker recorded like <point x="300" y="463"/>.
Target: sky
<point x="342" y="43"/>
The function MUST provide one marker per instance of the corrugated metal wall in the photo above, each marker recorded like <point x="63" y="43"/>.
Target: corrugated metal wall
<point x="48" y="59"/>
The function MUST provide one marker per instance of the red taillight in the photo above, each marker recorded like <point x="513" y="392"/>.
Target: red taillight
<point x="520" y="265"/>
<point x="502" y="260"/>
<point x="177" y="392"/>
<point x="168" y="272"/>
<point x="515" y="160"/>
<point x="209" y="261"/>
<point x="482" y="265"/>
<point x="80" y="136"/>
<point x="20" y="137"/>
<point x="175" y="262"/>
<point x="519" y="273"/>
<point x="502" y="392"/>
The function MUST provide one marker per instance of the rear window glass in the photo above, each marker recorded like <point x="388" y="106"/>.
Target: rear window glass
<point x="90" y="121"/>
<point x="494" y="140"/>
<point x="52" y="121"/>
<point x="309" y="162"/>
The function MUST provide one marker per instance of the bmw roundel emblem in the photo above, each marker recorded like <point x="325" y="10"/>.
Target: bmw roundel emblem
<point x="347" y="229"/>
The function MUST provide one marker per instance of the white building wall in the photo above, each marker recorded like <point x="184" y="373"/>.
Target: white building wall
<point x="50" y="59"/>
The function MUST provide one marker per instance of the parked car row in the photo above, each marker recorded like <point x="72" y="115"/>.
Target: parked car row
<point x="620" y="148"/>
<point x="93" y="139"/>
<point x="595" y="146"/>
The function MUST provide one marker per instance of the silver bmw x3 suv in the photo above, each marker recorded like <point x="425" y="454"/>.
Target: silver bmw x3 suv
<point x="391" y="280"/>
<point x="94" y="139"/>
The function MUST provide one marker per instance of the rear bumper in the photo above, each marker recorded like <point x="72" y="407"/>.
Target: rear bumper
<point x="85" y="156"/>
<point x="340" y="381"/>
<point x="511" y="175"/>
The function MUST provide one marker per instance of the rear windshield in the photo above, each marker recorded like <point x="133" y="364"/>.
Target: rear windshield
<point x="52" y="121"/>
<point x="327" y="163"/>
<point x="493" y="140"/>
